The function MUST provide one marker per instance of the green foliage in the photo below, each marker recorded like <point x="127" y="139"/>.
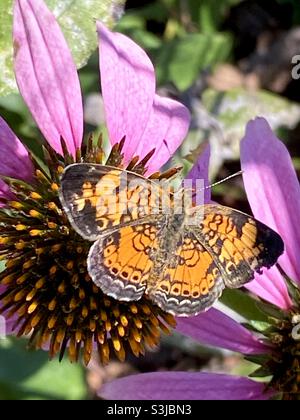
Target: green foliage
<point x="77" y="20"/>
<point x="209" y="14"/>
<point x="7" y="82"/>
<point x="192" y="40"/>
<point x="244" y="305"/>
<point x="29" y="375"/>
<point x="182" y="59"/>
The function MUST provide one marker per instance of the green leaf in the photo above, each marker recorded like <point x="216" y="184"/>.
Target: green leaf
<point x="77" y="20"/>
<point x="294" y="291"/>
<point x="258" y="326"/>
<point x="2" y="266"/>
<point x="7" y="80"/>
<point x="271" y="311"/>
<point x="209" y="14"/>
<point x="144" y="38"/>
<point x="243" y="304"/>
<point x="261" y="372"/>
<point x="28" y="374"/>
<point x="181" y="60"/>
<point x="258" y="359"/>
<point x="16" y="114"/>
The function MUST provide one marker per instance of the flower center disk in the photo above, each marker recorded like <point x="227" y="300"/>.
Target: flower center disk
<point x="286" y="362"/>
<point x="282" y="364"/>
<point x="45" y="288"/>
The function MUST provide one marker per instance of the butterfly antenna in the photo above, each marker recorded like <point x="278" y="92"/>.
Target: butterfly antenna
<point x="224" y="180"/>
<point x="217" y="183"/>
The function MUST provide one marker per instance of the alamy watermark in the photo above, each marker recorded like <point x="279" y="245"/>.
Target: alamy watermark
<point x="296" y="68"/>
<point x="138" y="198"/>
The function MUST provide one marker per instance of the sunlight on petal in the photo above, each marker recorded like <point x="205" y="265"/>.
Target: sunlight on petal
<point x="46" y="75"/>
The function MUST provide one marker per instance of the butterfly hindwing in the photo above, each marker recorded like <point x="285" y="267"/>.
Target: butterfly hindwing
<point x="190" y="281"/>
<point x="121" y="262"/>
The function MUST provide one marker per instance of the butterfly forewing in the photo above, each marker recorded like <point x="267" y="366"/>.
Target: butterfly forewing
<point x="240" y="245"/>
<point x="100" y="198"/>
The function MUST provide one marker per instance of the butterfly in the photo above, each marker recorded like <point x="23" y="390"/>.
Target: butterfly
<point x="142" y="245"/>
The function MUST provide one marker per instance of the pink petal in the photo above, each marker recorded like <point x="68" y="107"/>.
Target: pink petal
<point x="14" y="161"/>
<point x="128" y="87"/>
<point x="5" y="193"/>
<point x="7" y="325"/>
<point x="46" y="74"/>
<point x="200" y="171"/>
<point x="219" y="330"/>
<point x="273" y="189"/>
<point x="132" y="109"/>
<point x="182" y="386"/>
<point x="271" y="287"/>
<point x="165" y="131"/>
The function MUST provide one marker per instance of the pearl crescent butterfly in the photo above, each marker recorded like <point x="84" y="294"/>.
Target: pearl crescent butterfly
<point x="181" y="260"/>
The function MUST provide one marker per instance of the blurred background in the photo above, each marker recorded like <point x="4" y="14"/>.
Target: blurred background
<point x="227" y="61"/>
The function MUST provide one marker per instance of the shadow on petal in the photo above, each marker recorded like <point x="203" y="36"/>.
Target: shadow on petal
<point x="273" y="189"/>
<point x="184" y="386"/>
<point x="219" y="330"/>
<point x="271" y="287"/>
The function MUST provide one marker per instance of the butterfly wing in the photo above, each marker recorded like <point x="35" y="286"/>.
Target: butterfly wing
<point x="190" y="282"/>
<point x="120" y="263"/>
<point x="239" y="244"/>
<point x="98" y="198"/>
<point x="226" y="249"/>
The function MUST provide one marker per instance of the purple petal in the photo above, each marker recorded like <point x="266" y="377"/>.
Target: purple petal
<point x="271" y="287"/>
<point x="165" y="131"/>
<point x="200" y="171"/>
<point x="46" y="75"/>
<point x="184" y="386"/>
<point x="5" y="193"/>
<point x="14" y="161"/>
<point x="273" y="189"/>
<point x="132" y="109"/>
<point x="128" y="88"/>
<point x="8" y="326"/>
<point x="219" y="330"/>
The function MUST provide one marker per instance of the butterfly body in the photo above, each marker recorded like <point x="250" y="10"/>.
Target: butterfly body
<point x="145" y="242"/>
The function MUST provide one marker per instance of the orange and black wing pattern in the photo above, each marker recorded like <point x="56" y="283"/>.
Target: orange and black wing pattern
<point x="100" y="198"/>
<point x="190" y="282"/>
<point x="121" y="262"/>
<point x="182" y="266"/>
<point x="240" y="245"/>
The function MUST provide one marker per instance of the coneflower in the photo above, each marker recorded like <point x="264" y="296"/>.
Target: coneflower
<point x="45" y="289"/>
<point x="274" y="345"/>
